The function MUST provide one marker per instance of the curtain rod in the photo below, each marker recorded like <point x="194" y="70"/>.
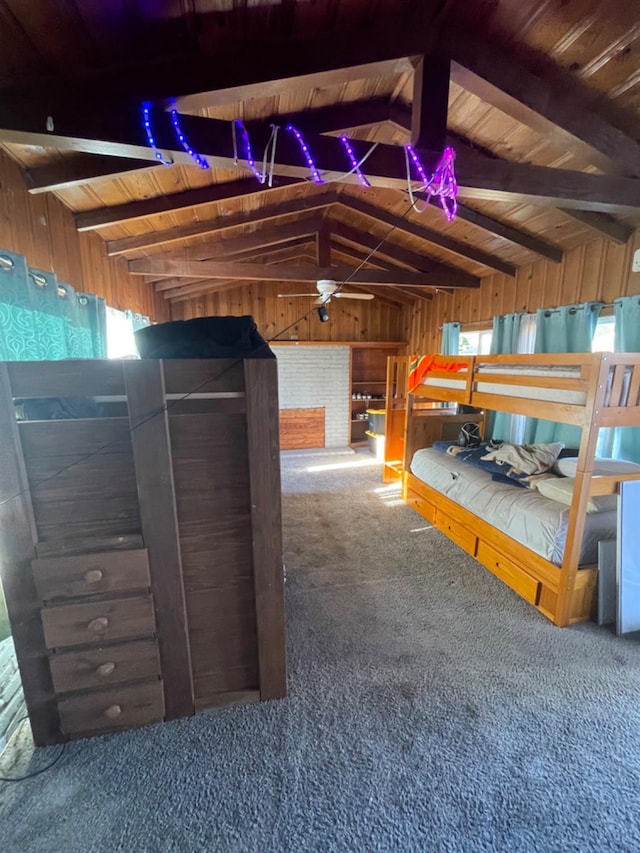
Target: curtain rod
<point x="487" y="324"/>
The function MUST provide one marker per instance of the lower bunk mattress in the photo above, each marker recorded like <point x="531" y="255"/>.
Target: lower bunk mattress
<point x="536" y="522"/>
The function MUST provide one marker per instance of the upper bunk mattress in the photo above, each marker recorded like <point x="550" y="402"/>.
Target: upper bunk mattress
<point x="536" y="522"/>
<point x="532" y="392"/>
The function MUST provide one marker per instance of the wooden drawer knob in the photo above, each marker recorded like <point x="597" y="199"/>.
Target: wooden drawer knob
<point x="106" y="669"/>
<point x="113" y="711"/>
<point x="98" y="625"/>
<point x="93" y="576"/>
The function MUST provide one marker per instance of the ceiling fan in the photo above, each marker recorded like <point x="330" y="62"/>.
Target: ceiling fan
<point x="327" y="288"/>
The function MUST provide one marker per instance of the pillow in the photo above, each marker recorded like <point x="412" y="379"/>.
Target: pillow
<point x="568" y="467"/>
<point x="526" y="458"/>
<point x="561" y="489"/>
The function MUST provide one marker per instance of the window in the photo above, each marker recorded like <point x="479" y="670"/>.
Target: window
<point x="604" y="335"/>
<point x="475" y="343"/>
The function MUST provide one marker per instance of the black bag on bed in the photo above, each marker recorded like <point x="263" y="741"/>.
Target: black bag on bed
<point x="469" y="435"/>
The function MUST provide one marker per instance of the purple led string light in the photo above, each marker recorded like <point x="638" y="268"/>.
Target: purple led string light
<point x="200" y="161"/>
<point x="305" y="150"/>
<point x="146" y="123"/>
<point x="247" y="150"/>
<point x="443" y="181"/>
<point x="354" y="162"/>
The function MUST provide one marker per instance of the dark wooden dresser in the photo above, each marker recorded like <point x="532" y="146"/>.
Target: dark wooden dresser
<point x="140" y="542"/>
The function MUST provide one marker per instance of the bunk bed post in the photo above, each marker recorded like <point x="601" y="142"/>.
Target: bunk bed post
<point x="395" y="422"/>
<point x="565" y="608"/>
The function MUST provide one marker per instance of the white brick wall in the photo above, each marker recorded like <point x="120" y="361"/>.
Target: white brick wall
<point x="310" y="377"/>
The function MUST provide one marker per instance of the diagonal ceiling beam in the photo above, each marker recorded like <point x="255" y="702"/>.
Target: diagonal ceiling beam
<point x="429" y="234"/>
<point x="555" y="107"/>
<point x="257" y="272"/>
<point x="604" y="224"/>
<point x="309" y="202"/>
<point x="259" y="255"/>
<point x="355" y="256"/>
<point x="103" y="216"/>
<point x="262" y="238"/>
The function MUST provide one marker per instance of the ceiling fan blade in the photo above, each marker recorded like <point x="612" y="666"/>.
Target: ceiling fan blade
<point x="353" y="296"/>
<point x="295" y="295"/>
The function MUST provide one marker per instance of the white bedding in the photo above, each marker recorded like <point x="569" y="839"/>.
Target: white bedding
<point x="537" y="522"/>
<point x="530" y="391"/>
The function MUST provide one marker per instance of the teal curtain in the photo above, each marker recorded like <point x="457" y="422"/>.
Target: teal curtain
<point x="504" y="341"/>
<point x="44" y="319"/>
<point x="626" y="310"/>
<point x="450" y="339"/>
<point x="569" y="328"/>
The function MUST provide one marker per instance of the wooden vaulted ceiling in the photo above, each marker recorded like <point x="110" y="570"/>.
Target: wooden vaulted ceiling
<point x="543" y="111"/>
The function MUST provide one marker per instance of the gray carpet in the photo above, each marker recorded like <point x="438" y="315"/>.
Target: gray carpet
<point x="430" y="709"/>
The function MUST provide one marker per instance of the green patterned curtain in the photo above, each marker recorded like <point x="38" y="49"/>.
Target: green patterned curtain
<point x="569" y="328"/>
<point x="626" y="310"/>
<point x="504" y="341"/>
<point x="42" y="319"/>
<point x="450" y="339"/>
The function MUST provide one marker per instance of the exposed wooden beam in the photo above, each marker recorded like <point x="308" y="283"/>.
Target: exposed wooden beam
<point x="323" y="246"/>
<point x="428" y="234"/>
<point x="507" y="232"/>
<point x="347" y="254"/>
<point x="603" y="224"/>
<point x="89" y="220"/>
<point x="129" y="245"/>
<point x="430" y="103"/>
<point x="119" y="135"/>
<point x="302" y="245"/>
<point x="303" y="228"/>
<point x="258" y="272"/>
<point x="79" y="169"/>
<point x="389" y="250"/>
<point x="554" y="107"/>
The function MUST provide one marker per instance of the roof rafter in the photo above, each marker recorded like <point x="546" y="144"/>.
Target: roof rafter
<point x="309" y="202"/>
<point x="257" y="272"/>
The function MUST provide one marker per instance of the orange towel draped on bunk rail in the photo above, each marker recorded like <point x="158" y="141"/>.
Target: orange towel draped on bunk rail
<point x="420" y="365"/>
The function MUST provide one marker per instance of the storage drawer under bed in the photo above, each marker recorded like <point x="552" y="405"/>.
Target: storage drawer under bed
<point x="508" y="572"/>
<point x="459" y="534"/>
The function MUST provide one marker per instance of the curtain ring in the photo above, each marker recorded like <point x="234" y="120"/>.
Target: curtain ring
<point x="38" y="280"/>
<point x="6" y="263"/>
<point x="62" y="291"/>
<point x="82" y="300"/>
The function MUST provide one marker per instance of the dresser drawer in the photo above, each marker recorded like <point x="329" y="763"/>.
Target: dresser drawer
<point x="456" y="532"/>
<point x="137" y="661"/>
<point x="86" y="574"/>
<point x="98" y="621"/>
<point x="509" y="572"/>
<point x="115" y="708"/>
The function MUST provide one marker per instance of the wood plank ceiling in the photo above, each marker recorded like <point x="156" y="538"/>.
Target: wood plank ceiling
<point x="553" y="84"/>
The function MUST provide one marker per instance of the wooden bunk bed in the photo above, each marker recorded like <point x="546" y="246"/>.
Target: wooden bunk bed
<point x="590" y="391"/>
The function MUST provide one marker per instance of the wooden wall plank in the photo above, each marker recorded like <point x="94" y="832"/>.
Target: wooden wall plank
<point x="156" y="494"/>
<point x="348" y="321"/>
<point x="261" y="387"/>
<point x="42" y="229"/>
<point x="599" y="270"/>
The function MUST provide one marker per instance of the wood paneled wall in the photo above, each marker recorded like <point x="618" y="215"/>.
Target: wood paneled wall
<point x="597" y="270"/>
<point x="349" y="320"/>
<point x="42" y="229"/>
